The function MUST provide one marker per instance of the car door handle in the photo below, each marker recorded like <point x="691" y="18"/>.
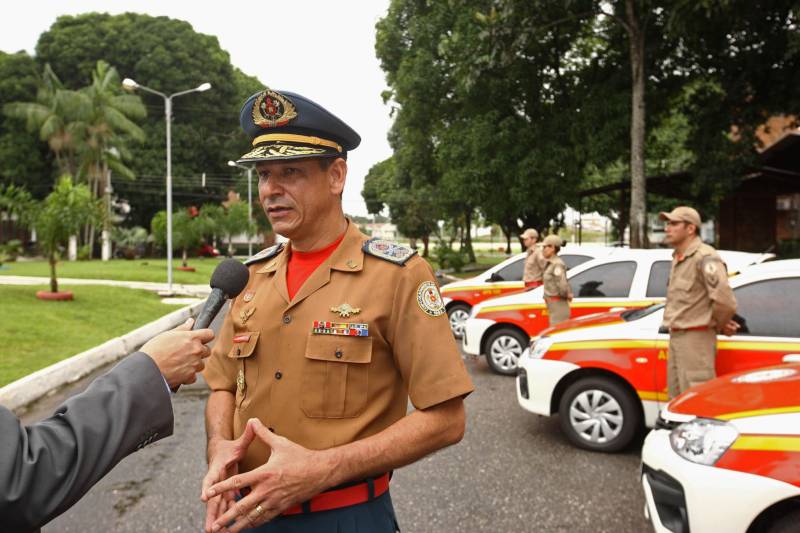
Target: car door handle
<point x="791" y="358"/>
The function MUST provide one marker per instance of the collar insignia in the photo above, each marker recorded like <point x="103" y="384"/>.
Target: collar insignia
<point x="245" y="314"/>
<point x="272" y="109"/>
<point x="345" y="310"/>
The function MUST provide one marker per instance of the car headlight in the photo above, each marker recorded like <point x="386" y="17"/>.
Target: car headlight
<point x="540" y="347"/>
<point x="703" y="440"/>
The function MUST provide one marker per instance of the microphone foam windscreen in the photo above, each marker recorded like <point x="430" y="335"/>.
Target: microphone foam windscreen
<point x="230" y="277"/>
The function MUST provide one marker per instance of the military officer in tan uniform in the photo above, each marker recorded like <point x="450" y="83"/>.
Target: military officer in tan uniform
<point x="700" y="302"/>
<point x="557" y="291"/>
<point x="320" y="353"/>
<point x="534" y="262"/>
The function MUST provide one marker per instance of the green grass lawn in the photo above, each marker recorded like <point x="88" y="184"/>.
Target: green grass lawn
<point x="117" y="269"/>
<point x="36" y="333"/>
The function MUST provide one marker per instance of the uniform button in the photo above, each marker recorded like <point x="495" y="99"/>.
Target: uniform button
<point x="338" y="354"/>
<point x="287" y="319"/>
<point x="278" y="375"/>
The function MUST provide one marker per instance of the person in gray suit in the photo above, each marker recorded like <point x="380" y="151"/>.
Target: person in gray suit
<point x="47" y="467"/>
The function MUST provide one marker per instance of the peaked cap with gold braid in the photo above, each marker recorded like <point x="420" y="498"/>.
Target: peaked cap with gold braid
<point x="285" y="125"/>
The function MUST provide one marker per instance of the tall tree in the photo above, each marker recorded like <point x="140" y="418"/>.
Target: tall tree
<point x="24" y="159"/>
<point x="51" y="116"/>
<point x="105" y="123"/>
<point x="167" y="55"/>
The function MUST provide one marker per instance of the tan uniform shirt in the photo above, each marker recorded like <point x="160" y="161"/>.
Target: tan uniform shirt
<point x="322" y="390"/>
<point x="555" y="279"/>
<point x="698" y="293"/>
<point x="535" y="264"/>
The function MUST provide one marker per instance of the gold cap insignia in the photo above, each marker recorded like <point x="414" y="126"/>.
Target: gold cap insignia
<point x="345" y="310"/>
<point x="272" y="109"/>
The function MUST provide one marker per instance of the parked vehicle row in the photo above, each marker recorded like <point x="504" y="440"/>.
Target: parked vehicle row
<point x="502" y="279"/>
<point x="501" y="327"/>
<point x="605" y="375"/>
<point x="724" y="455"/>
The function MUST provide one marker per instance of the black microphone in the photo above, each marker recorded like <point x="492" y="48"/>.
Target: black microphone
<point x="228" y="280"/>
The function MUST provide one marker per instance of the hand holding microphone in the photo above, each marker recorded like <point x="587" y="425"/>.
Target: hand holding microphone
<point x="228" y="280"/>
<point x="179" y="353"/>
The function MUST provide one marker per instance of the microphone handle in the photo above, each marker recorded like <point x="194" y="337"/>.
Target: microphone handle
<point x="210" y="309"/>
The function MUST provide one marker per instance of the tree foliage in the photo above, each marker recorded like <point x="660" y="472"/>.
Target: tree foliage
<point x="508" y="108"/>
<point x="60" y="215"/>
<point x="169" y="56"/>
<point x="24" y="159"/>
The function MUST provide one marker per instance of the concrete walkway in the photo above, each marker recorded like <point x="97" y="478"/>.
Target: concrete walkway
<point x="199" y="291"/>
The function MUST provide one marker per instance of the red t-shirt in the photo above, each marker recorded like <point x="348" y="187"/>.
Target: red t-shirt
<point x="303" y="264"/>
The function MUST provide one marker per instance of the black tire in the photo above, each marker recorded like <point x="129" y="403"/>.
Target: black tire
<point x="454" y="312"/>
<point x="788" y="523"/>
<point x="503" y="348"/>
<point x="607" y="416"/>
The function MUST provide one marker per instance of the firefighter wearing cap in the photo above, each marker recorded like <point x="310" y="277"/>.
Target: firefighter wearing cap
<point x="534" y="262"/>
<point x="557" y="292"/>
<point x="318" y="356"/>
<point x="700" y="302"/>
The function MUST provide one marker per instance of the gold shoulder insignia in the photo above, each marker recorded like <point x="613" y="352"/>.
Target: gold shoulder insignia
<point x="266" y="253"/>
<point x="389" y="251"/>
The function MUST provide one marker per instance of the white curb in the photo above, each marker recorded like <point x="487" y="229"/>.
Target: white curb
<point x="32" y="387"/>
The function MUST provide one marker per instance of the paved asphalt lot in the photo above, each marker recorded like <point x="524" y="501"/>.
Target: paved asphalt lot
<point x="513" y="472"/>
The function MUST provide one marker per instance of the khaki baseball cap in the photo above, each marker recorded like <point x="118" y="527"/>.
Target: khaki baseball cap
<point x="553" y="240"/>
<point x="530" y="232"/>
<point x="682" y="214"/>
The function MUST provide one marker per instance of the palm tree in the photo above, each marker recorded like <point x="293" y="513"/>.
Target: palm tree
<point x="105" y="122"/>
<point x="51" y="116"/>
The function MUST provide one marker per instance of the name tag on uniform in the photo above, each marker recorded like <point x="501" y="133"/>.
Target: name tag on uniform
<point x="241" y="338"/>
<point x="323" y="327"/>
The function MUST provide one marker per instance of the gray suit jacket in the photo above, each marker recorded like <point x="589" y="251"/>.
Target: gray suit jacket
<point x="47" y="467"/>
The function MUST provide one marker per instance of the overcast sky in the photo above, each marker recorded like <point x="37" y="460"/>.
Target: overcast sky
<point x="324" y="50"/>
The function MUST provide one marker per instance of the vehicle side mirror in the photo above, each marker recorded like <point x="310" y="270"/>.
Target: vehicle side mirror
<point x="495" y="277"/>
<point x="791" y="358"/>
<point x="663" y="329"/>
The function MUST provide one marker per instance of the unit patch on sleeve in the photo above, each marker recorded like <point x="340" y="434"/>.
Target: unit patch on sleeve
<point x="710" y="270"/>
<point x="429" y="299"/>
<point x="389" y="251"/>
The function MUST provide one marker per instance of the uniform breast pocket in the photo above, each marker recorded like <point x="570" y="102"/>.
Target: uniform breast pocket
<point x="336" y="376"/>
<point x="242" y="352"/>
<point x="682" y="288"/>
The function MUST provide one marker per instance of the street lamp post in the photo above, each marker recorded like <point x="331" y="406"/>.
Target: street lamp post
<point x="131" y="85"/>
<point x="249" y="203"/>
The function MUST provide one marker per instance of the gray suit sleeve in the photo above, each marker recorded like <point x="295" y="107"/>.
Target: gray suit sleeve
<point x="47" y="467"/>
